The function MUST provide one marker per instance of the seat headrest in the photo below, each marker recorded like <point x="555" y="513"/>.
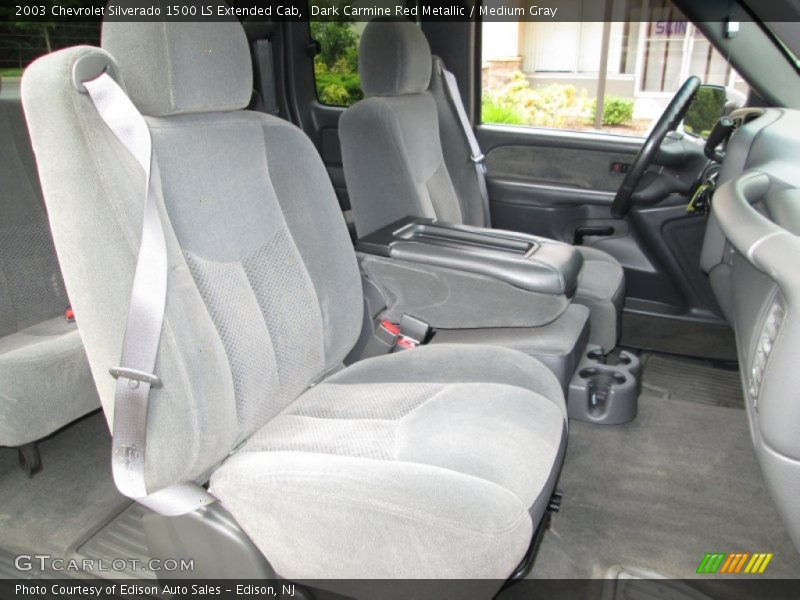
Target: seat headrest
<point x="393" y="59"/>
<point x="172" y="68"/>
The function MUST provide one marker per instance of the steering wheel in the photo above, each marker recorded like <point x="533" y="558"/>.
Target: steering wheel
<point x="669" y="120"/>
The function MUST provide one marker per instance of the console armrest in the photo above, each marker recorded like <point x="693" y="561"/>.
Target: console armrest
<point x="524" y="261"/>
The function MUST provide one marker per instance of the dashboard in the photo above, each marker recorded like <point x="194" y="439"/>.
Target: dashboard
<point x="751" y="253"/>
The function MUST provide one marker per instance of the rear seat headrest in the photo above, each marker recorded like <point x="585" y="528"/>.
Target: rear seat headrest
<point x="394" y="58"/>
<point x="177" y="68"/>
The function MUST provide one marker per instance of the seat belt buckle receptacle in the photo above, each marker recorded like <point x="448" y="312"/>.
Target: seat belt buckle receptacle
<point x="413" y="332"/>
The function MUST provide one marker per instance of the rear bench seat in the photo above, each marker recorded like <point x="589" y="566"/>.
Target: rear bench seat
<point x="45" y="382"/>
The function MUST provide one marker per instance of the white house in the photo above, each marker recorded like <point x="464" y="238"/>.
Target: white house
<point x="652" y="50"/>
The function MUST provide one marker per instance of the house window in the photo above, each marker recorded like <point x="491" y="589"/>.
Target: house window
<point x="546" y="74"/>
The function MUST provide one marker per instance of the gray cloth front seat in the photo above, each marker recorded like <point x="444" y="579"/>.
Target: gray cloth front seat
<point x="434" y="463"/>
<point x="395" y="164"/>
<point x="45" y="382"/>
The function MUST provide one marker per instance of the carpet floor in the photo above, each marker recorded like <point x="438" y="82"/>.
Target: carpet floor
<point x="659" y="492"/>
<point x="72" y="495"/>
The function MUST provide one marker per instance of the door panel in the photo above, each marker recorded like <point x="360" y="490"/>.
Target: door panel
<point x="553" y="183"/>
<point x="561" y="184"/>
<point x="554" y="165"/>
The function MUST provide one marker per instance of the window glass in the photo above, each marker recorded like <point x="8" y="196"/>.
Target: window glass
<point x="546" y="74"/>
<point x="23" y="42"/>
<point x="336" y="65"/>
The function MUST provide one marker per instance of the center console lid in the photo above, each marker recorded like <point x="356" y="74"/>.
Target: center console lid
<point x="524" y="261"/>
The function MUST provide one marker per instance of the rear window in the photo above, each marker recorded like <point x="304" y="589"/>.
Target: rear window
<point x="22" y="42"/>
<point x="336" y="65"/>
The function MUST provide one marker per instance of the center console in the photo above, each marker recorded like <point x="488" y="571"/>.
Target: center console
<point x="477" y="285"/>
<point x="526" y="262"/>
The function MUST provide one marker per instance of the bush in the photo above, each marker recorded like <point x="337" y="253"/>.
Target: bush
<point x="333" y="94"/>
<point x="497" y="113"/>
<point x="518" y="103"/>
<point x="340" y="89"/>
<point x="616" y="110"/>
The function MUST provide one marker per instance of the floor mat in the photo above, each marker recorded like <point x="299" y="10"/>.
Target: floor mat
<point x="72" y="495"/>
<point x="678" y="336"/>
<point x="692" y="381"/>
<point x="659" y="492"/>
<point x="121" y="537"/>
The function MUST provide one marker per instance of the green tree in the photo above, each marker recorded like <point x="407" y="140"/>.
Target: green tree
<point x="336" y="65"/>
<point x="707" y="107"/>
<point x="337" y="42"/>
<point x="42" y="25"/>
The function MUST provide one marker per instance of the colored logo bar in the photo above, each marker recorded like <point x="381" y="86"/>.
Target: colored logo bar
<point x="734" y="563"/>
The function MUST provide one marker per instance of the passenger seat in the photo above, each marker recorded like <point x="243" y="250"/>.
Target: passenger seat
<point x="437" y="462"/>
<point x="397" y="165"/>
<point x="45" y="381"/>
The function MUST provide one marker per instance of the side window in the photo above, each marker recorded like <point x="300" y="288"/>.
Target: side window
<point x="22" y="42"/>
<point x="546" y="74"/>
<point x="336" y="65"/>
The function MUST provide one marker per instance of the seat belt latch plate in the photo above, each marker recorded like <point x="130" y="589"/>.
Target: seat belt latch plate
<point x="136" y="375"/>
<point x="480" y="162"/>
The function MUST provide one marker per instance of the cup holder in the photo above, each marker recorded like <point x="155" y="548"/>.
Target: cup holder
<point x="612" y="359"/>
<point x="605" y="387"/>
<point x="612" y="377"/>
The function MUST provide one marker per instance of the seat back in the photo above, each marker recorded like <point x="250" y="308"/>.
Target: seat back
<point x="31" y="287"/>
<point x="391" y="149"/>
<point x="456" y="151"/>
<point x="264" y="294"/>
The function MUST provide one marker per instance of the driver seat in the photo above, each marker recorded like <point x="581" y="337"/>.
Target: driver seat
<point x="404" y="154"/>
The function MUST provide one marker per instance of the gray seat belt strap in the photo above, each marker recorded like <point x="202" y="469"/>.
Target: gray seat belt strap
<point x="474" y="148"/>
<point x="135" y="376"/>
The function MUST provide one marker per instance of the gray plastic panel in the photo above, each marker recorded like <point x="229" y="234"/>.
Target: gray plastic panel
<point x="605" y="391"/>
<point x="756" y="210"/>
<point x="122" y="537"/>
<point x="524" y="261"/>
<point x="212" y="539"/>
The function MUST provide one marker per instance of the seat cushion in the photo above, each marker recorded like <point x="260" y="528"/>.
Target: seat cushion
<point x="421" y="464"/>
<point x="45" y="381"/>
<point x="601" y="288"/>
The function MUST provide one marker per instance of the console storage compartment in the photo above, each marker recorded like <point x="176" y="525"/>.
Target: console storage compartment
<point x="461" y="277"/>
<point x="527" y="262"/>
